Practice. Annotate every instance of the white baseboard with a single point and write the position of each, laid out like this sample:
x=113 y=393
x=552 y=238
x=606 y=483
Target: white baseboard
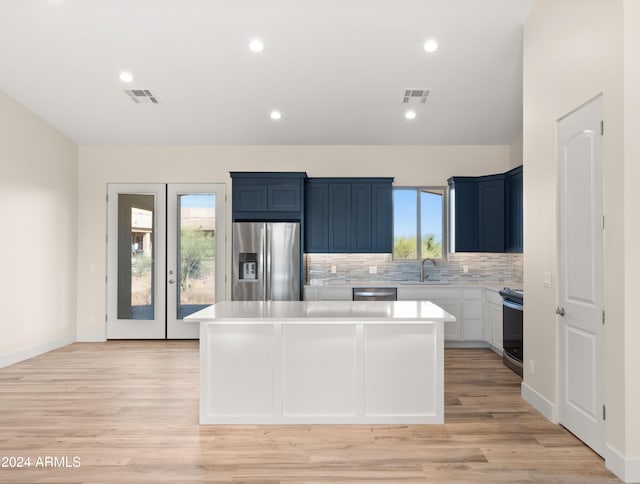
x=93 y=336
x=541 y=404
x=626 y=468
x=36 y=350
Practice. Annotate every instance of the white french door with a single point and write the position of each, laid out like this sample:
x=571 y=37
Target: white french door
x=165 y=257
x=580 y=274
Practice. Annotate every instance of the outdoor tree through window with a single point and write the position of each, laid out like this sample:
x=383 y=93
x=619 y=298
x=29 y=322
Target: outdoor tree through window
x=418 y=223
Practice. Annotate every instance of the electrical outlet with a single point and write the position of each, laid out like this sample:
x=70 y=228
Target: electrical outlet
x=373 y=269
x=532 y=367
x=465 y=269
x=334 y=269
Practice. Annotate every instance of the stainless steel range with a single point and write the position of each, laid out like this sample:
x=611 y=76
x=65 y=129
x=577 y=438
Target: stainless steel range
x=512 y=311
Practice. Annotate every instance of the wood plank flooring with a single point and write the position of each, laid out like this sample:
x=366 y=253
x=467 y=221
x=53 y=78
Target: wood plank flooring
x=128 y=412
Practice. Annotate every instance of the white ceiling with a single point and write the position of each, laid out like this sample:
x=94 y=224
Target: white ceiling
x=336 y=69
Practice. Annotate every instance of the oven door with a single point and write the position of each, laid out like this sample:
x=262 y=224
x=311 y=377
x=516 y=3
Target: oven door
x=512 y=335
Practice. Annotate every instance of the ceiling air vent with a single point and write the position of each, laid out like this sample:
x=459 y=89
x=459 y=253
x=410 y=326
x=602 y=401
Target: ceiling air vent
x=141 y=96
x=415 y=96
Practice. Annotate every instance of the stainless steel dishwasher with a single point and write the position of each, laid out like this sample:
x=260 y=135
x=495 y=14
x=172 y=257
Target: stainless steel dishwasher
x=375 y=294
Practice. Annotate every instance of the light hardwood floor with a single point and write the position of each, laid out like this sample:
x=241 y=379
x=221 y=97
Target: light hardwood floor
x=129 y=412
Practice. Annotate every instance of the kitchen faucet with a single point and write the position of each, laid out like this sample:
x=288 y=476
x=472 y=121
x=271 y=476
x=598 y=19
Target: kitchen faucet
x=424 y=276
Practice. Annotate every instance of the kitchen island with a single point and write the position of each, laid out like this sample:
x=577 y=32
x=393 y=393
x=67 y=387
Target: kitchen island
x=322 y=362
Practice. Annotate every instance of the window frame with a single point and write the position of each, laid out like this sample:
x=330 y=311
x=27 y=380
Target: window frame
x=445 y=219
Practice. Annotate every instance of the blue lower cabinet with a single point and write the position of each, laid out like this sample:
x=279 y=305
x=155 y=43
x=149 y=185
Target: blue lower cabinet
x=348 y=215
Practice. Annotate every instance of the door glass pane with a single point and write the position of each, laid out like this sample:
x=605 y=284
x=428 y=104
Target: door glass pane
x=196 y=252
x=136 y=256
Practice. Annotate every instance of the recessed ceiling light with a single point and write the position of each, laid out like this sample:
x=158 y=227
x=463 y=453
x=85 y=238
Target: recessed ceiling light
x=275 y=115
x=411 y=114
x=256 y=45
x=126 y=77
x=430 y=46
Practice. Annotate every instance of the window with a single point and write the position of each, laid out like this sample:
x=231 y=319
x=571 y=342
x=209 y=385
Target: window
x=419 y=222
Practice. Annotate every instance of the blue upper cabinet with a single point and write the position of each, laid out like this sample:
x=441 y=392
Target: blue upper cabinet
x=514 y=210
x=260 y=196
x=348 y=215
x=463 y=210
x=382 y=218
x=491 y=210
x=339 y=217
x=486 y=213
x=316 y=227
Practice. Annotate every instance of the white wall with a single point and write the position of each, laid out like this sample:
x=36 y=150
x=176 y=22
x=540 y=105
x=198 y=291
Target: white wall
x=573 y=51
x=38 y=201
x=99 y=165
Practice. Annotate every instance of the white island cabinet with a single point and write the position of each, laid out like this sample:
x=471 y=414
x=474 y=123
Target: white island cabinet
x=322 y=362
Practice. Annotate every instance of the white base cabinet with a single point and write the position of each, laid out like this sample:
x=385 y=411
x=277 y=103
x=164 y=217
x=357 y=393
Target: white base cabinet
x=448 y=298
x=464 y=303
x=478 y=311
x=328 y=293
x=493 y=319
x=292 y=362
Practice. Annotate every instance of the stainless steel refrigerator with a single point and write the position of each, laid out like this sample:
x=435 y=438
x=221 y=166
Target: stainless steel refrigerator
x=266 y=261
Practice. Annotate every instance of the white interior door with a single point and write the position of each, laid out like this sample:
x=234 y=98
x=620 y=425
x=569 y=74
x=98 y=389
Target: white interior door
x=195 y=241
x=580 y=288
x=163 y=245
x=136 y=234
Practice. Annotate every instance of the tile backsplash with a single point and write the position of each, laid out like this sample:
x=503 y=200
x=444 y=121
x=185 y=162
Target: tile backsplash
x=351 y=268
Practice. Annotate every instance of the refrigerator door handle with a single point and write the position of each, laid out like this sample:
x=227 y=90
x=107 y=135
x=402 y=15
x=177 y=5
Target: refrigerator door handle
x=267 y=262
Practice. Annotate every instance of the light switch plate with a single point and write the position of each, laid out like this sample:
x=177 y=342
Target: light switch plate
x=546 y=279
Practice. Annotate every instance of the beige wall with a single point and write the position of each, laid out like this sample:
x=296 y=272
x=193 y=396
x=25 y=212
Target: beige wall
x=99 y=165
x=632 y=222
x=38 y=200
x=515 y=152
x=573 y=51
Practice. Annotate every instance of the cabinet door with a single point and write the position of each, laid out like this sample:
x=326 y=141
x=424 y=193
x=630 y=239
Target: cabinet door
x=361 y=210
x=491 y=214
x=452 y=329
x=464 y=207
x=514 y=212
x=249 y=198
x=472 y=314
x=316 y=219
x=382 y=220
x=283 y=197
x=497 y=326
x=339 y=217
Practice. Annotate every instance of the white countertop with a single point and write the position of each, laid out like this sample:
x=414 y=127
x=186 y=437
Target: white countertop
x=492 y=285
x=333 y=312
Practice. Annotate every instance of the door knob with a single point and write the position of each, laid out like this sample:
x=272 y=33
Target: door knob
x=560 y=311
